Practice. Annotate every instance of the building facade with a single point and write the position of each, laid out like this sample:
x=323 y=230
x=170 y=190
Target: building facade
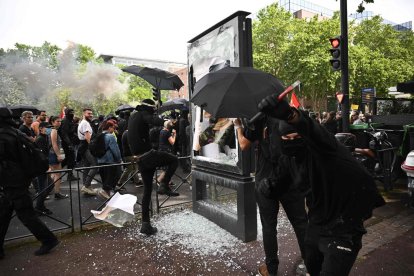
x=177 y=68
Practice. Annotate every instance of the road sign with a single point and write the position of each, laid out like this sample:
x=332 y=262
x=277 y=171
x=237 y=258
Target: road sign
x=368 y=95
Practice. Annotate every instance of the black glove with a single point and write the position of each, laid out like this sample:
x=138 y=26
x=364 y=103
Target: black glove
x=265 y=187
x=272 y=107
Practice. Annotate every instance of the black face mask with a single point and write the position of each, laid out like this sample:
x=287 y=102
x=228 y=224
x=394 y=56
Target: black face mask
x=294 y=148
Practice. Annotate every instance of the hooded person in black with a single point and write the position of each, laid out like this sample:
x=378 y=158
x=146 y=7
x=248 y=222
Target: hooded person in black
x=272 y=166
x=343 y=193
x=68 y=133
x=139 y=125
x=14 y=189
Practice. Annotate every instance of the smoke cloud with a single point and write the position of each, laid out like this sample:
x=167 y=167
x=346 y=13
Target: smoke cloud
x=40 y=84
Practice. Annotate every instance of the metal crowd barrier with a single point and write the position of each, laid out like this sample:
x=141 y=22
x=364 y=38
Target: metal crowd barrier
x=52 y=216
x=184 y=179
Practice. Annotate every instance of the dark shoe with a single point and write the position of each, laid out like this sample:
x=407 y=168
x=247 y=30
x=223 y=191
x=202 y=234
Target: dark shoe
x=1 y=254
x=166 y=190
x=43 y=211
x=60 y=196
x=147 y=229
x=46 y=248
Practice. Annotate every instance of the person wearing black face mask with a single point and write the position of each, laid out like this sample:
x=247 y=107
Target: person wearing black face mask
x=67 y=133
x=273 y=187
x=343 y=193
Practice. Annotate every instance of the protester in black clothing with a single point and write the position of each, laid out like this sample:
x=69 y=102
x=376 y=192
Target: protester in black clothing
x=14 y=190
x=343 y=193
x=148 y=160
x=270 y=163
x=167 y=137
x=42 y=141
x=68 y=133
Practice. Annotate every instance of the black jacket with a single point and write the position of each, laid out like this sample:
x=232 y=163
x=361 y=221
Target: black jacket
x=68 y=132
x=342 y=189
x=139 y=125
x=42 y=141
x=11 y=172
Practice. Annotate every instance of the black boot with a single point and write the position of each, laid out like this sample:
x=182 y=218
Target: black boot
x=46 y=248
x=146 y=228
x=165 y=189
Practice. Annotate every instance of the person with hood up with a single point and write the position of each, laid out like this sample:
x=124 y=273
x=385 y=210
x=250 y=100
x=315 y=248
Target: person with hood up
x=68 y=133
x=148 y=159
x=343 y=193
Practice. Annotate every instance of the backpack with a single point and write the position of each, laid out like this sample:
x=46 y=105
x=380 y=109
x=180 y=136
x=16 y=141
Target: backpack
x=97 y=146
x=32 y=160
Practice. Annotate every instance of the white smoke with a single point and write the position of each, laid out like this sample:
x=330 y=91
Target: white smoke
x=40 y=84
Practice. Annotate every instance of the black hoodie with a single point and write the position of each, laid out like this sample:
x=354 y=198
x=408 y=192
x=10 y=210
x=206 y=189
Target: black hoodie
x=139 y=125
x=342 y=189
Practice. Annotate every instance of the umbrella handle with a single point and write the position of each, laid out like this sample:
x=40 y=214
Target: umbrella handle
x=260 y=115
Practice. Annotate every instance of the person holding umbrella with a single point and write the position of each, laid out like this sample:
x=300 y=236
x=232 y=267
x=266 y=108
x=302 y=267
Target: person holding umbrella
x=148 y=159
x=343 y=193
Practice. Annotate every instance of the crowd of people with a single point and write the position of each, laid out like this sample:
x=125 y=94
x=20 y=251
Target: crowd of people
x=68 y=142
x=332 y=120
x=324 y=191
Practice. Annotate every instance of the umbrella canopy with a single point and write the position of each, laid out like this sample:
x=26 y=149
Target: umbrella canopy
x=177 y=103
x=234 y=91
x=123 y=107
x=20 y=108
x=160 y=79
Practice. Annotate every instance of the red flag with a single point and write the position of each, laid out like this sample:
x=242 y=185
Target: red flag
x=62 y=113
x=294 y=100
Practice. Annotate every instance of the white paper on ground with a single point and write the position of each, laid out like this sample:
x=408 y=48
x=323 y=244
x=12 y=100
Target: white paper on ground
x=118 y=210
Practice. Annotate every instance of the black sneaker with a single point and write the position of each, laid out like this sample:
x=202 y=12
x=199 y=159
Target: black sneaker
x=147 y=229
x=46 y=248
x=166 y=190
x=60 y=196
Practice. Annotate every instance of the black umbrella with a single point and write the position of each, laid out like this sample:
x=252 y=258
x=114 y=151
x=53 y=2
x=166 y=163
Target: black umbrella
x=160 y=79
x=234 y=91
x=123 y=107
x=177 y=103
x=20 y=108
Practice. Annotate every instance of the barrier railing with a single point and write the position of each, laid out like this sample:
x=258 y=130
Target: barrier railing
x=183 y=179
x=53 y=217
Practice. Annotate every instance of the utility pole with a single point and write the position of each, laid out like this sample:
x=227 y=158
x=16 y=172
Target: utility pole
x=344 y=66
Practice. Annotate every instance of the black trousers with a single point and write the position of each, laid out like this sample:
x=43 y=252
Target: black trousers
x=46 y=185
x=69 y=157
x=19 y=199
x=147 y=168
x=330 y=253
x=109 y=176
x=293 y=203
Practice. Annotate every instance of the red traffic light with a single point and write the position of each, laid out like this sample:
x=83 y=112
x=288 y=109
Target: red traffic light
x=335 y=42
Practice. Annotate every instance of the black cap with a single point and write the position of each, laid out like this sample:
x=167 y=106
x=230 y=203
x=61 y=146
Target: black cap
x=285 y=128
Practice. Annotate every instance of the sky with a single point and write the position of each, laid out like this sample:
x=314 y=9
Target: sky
x=152 y=29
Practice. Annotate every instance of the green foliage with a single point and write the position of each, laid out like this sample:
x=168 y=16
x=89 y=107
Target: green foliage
x=11 y=92
x=296 y=49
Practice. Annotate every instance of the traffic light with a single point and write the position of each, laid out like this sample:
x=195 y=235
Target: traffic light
x=156 y=94
x=335 y=53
